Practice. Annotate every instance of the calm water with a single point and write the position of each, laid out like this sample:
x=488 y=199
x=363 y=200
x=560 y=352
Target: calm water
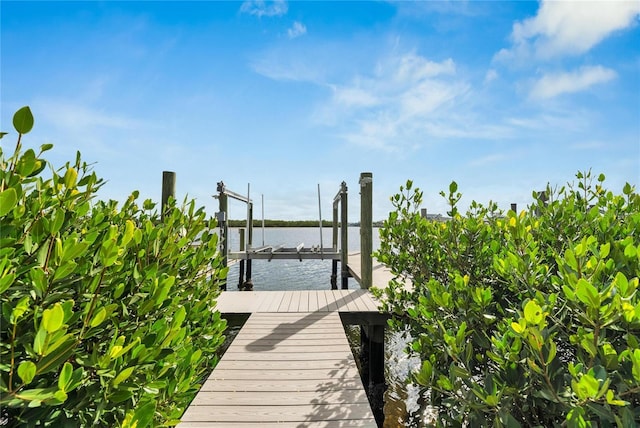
x=292 y=274
x=401 y=397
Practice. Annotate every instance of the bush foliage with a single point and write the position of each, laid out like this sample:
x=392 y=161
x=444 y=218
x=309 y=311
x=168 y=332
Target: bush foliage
x=107 y=312
x=523 y=320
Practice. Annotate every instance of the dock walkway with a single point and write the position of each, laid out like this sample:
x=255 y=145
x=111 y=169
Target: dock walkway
x=289 y=366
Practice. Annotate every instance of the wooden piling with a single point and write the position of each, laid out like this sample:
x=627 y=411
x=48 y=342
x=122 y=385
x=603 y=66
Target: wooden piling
x=224 y=228
x=334 y=244
x=366 y=228
x=241 y=271
x=168 y=189
x=248 y=284
x=344 y=241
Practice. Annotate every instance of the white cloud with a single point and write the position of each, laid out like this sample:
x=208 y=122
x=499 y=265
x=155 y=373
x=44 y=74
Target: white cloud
x=488 y=160
x=298 y=29
x=491 y=75
x=262 y=8
x=569 y=27
x=397 y=105
x=554 y=84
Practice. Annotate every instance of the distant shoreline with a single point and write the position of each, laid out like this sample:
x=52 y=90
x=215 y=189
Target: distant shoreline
x=291 y=223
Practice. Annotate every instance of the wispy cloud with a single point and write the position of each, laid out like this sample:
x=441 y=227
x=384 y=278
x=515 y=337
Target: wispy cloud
x=262 y=8
x=78 y=117
x=491 y=75
x=396 y=103
x=569 y=28
x=488 y=160
x=554 y=84
x=298 y=29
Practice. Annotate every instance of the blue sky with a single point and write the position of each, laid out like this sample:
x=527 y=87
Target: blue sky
x=501 y=96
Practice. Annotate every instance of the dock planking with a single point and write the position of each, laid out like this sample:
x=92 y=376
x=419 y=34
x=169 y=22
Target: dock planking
x=297 y=301
x=290 y=369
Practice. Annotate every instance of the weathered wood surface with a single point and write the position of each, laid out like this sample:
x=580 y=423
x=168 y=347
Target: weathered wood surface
x=303 y=301
x=381 y=275
x=290 y=369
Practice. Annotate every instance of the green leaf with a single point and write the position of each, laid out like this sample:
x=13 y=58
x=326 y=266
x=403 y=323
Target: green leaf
x=453 y=187
x=6 y=281
x=8 y=200
x=27 y=163
x=65 y=376
x=45 y=147
x=27 y=371
x=57 y=221
x=533 y=313
x=424 y=375
x=39 y=341
x=65 y=269
x=99 y=317
x=70 y=178
x=53 y=318
x=509 y=421
x=20 y=309
x=109 y=252
x=61 y=352
x=604 y=250
x=143 y=416
x=23 y=120
x=611 y=400
x=630 y=251
x=123 y=375
x=491 y=400
x=587 y=293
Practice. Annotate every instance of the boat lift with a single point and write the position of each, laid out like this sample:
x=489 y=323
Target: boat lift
x=247 y=252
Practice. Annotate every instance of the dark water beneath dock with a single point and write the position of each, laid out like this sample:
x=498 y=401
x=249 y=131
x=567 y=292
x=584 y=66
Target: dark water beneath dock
x=401 y=398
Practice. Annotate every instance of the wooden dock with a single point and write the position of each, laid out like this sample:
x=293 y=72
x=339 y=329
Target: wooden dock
x=289 y=366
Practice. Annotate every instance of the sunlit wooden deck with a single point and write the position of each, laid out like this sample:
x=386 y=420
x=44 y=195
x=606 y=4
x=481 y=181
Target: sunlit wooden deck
x=290 y=365
x=292 y=369
x=303 y=301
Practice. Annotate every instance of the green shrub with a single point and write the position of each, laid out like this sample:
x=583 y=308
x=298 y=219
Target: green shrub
x=529 y=319
x=107 y=313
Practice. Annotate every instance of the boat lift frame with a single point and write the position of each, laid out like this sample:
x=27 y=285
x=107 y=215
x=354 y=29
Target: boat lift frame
x=247 y=252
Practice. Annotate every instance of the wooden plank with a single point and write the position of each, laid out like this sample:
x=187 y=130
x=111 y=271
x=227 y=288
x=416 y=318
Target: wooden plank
x=288 y=356
x=285 y=303
x=331 y=301
x=342 y=373
x=274 y=398
x=316 y=424
x=275 y=302
x=293 y=334
x=323 y=306
x=295 y=301
x=239 y=385
x=259 y=414
x=304 y=301
x=285 y=367
x=280 y=364
x=313 y=301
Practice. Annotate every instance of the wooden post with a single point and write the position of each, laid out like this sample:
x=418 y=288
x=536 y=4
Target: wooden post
x=224 y=228
x=366 y=229
x=372 y=363
x=248 y=284
x=241 y=272
x=344 y=241
x=334 y=244
x=168 y=189
x=514 y=208
x=423 y=212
